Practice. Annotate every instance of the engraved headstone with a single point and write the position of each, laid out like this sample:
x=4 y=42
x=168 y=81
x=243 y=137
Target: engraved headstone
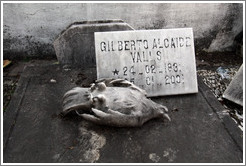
x=160 y=61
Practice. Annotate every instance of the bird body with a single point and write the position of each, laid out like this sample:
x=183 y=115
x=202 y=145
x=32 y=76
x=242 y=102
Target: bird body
x=113 y=102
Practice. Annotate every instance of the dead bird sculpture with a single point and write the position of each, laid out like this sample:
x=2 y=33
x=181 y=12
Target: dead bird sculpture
x=113 y=102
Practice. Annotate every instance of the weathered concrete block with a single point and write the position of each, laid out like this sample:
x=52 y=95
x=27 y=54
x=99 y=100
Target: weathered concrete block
x=234 y=91
x=75 y=45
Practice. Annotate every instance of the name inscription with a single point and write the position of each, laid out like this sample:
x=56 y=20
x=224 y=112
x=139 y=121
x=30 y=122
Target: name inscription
x=160 y=61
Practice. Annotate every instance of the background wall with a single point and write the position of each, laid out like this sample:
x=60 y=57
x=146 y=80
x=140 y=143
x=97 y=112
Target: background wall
x=30 y=29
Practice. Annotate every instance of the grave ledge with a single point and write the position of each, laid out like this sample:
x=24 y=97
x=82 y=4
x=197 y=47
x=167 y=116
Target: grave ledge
x=197 y=133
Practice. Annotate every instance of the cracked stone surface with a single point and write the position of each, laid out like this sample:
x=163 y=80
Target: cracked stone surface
x=33 y=131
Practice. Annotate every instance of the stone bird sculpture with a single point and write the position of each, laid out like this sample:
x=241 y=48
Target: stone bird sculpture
x=113 y=102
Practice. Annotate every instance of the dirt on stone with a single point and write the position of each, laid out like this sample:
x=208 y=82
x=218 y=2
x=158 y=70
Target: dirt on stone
x=9 y=86
x=217 y=71
x=213 y=60
x=207 y=68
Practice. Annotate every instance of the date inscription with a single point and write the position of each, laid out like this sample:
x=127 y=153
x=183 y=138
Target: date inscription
x=160 y=61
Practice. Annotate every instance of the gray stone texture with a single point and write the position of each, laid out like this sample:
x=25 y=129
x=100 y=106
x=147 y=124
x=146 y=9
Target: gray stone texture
x=29 y=29
x=75 y=45
x=234 y=91
x=33 y=131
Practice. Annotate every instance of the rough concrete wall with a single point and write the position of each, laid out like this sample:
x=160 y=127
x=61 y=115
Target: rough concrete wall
x=30 y=29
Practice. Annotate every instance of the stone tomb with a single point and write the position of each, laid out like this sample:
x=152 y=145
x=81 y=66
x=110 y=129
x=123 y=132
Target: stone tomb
x=160 y=61
x=75 y=45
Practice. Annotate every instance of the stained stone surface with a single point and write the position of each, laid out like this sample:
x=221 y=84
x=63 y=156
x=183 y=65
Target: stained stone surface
x=160 y=61
x=234 y=91
x=33 y=131
x=75 y=45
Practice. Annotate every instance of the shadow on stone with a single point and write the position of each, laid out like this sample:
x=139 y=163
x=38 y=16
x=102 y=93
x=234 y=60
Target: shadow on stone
x=33 y=131
x=75 y=45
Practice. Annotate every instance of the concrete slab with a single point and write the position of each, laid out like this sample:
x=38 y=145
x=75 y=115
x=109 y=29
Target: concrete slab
x=35 y=133
x=234 y=91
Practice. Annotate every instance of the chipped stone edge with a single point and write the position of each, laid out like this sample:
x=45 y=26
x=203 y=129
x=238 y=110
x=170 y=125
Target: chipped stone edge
x=230 y=126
